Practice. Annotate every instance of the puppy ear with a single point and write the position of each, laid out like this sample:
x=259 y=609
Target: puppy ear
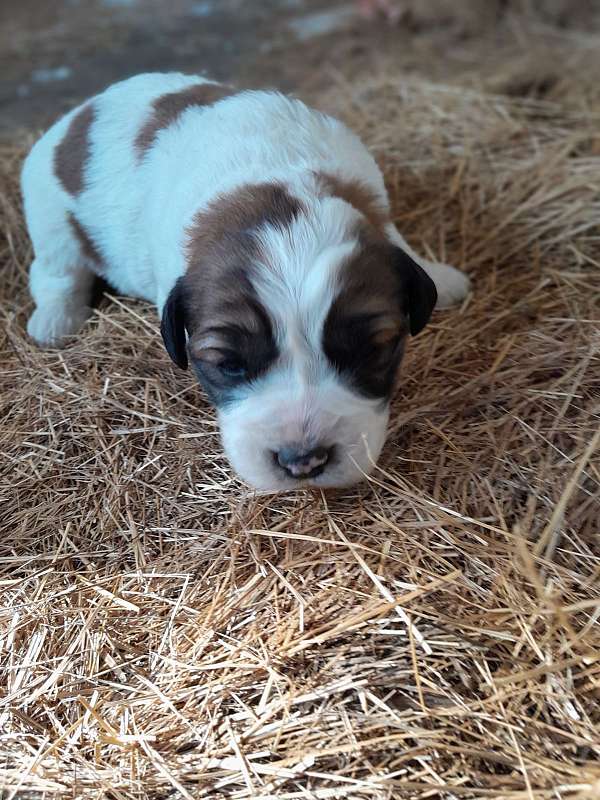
x=419 y=289
x=172 y=326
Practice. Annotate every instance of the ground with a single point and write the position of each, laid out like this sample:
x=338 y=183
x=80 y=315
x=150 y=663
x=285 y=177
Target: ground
x=56 y=53
x=164 y=631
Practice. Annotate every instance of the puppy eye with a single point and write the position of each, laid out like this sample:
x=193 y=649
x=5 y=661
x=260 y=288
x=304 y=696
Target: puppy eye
x=387 y=349
x=232 y=367
x=387 y=338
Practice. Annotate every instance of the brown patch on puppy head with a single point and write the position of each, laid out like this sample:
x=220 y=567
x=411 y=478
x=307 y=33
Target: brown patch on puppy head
x=371 y=285
x=216 y=301
x=88 y=248
x=168 y=107
x=229 y=221
x=222 y=251
x=384 y=295
x=72 y=152
x=358 y=195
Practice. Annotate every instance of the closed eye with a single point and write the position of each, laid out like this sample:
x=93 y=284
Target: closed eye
x=232 y=367
x=366 y=355
x=386 y=350
x=223 y=362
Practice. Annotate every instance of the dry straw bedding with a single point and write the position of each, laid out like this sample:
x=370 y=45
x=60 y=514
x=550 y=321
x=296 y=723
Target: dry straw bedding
x=167 y=633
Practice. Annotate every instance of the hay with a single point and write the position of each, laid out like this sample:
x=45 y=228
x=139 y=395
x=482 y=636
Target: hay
x=166 y=633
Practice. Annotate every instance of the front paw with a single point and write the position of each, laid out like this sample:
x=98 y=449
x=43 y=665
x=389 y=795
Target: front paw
x=452 y=285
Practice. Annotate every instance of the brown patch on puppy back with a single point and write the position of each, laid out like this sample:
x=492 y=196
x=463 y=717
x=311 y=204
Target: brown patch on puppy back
x=72 y=152
x=358 y=195
x=88 y=248
x=168 y=107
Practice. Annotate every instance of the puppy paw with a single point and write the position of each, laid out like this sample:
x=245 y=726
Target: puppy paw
x=51 y=325
x=452 y=285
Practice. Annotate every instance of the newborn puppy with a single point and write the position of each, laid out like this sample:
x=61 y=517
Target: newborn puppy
x=261 y=230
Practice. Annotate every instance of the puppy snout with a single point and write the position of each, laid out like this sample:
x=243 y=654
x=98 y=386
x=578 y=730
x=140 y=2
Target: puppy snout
x=300 y=463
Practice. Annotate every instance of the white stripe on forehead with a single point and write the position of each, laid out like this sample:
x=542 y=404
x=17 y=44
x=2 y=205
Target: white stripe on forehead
x=298 y=277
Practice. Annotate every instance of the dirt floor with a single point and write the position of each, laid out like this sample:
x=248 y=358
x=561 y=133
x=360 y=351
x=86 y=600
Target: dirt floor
x=55 y=53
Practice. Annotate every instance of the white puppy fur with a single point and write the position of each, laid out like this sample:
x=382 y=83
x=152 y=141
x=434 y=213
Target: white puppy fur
x=137 y=211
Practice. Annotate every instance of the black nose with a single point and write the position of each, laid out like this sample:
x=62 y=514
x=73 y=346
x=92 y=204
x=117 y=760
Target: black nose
x=303 y=463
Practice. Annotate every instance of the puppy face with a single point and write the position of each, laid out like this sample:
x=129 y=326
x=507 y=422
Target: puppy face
x=295 y=324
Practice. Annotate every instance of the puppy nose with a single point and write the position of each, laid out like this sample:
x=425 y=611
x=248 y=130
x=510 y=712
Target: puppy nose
x=303 y=463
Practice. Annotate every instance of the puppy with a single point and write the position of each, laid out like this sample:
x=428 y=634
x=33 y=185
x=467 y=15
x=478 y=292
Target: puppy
x=261 y=230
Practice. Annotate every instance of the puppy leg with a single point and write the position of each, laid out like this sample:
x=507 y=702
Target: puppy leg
x=451 y=284
x=61 y=285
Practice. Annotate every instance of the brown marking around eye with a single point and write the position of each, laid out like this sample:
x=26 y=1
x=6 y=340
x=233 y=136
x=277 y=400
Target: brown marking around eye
x=167 y=108
x=366 y=316
x=72 y=152
x=358 y=195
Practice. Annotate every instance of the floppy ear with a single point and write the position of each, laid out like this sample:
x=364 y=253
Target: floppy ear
x=420 y=291
x=172 y=327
